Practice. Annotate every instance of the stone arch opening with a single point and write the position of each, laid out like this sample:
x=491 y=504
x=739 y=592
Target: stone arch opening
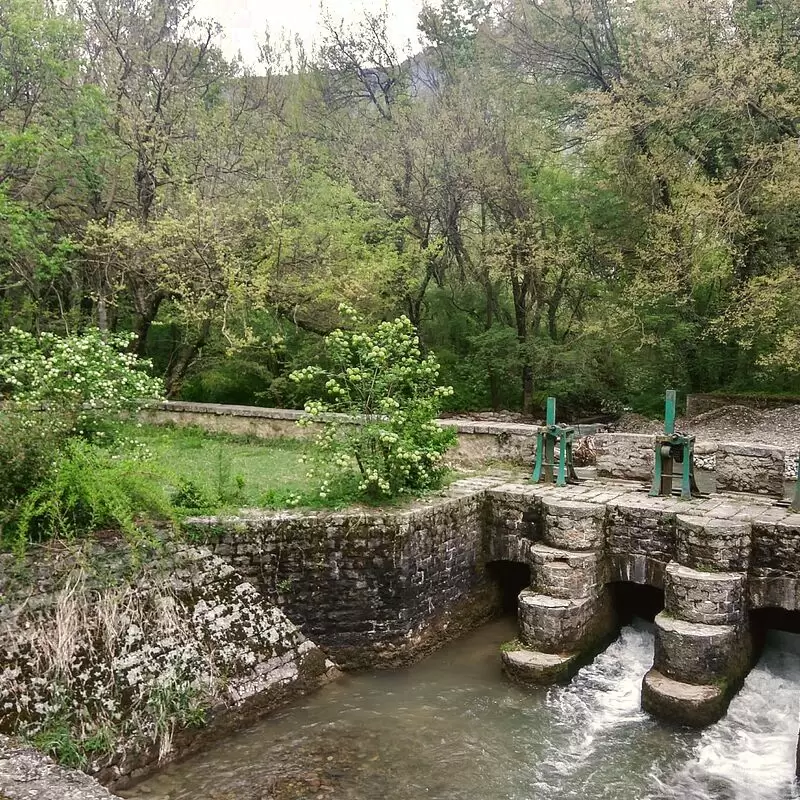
x=509 y=579
x=764 y=621
x=631 y=600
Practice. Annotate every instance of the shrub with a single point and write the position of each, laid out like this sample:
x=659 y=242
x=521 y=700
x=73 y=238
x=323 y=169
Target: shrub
x=383 y=383
x=59 y=393
x=88 y=488
x=73 y=385
x=26 y=456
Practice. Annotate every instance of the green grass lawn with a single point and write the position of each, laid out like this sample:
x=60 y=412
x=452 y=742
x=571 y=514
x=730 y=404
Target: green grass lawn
x=213 y=471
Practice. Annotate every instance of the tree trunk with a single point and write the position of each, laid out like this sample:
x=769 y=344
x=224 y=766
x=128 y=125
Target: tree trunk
x=186 y=355
x=494 y=382
x=520 y=290
x=146 y=312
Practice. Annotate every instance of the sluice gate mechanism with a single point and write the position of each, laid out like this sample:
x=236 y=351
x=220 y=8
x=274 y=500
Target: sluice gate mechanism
x=549 y=438
x=674 y=456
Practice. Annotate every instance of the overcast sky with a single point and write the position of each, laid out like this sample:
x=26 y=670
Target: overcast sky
x=244 y=21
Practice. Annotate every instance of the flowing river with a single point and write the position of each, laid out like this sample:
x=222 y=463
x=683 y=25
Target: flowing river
x=452 y=728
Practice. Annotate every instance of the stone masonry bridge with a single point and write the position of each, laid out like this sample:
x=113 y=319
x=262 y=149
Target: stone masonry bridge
x=716 y=559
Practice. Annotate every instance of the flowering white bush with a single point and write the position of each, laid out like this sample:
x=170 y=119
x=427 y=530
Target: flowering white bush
x=73 y=381
x=57 y=392
x=382 y=381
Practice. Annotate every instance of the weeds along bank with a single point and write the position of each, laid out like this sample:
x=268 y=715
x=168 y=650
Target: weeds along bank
x=114 y=659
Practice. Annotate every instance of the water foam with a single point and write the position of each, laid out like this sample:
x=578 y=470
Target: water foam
x=750 y=753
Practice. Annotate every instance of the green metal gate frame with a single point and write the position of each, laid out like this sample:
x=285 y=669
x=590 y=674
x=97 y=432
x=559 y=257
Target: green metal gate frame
x=547 y=438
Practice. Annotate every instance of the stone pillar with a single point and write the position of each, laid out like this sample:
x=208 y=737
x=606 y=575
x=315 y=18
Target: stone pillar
x=703 y=647
x=567 y=612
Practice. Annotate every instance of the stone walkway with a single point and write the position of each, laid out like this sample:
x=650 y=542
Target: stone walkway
x=631 y=494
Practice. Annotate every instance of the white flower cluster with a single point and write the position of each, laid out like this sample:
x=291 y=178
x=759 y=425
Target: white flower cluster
x=76 y=377
x=381 y=379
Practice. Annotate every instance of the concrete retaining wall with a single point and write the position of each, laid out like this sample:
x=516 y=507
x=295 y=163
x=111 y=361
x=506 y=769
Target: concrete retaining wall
x=735 y=466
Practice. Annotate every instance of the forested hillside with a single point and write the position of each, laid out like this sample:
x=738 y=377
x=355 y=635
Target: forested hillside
x=587 y=198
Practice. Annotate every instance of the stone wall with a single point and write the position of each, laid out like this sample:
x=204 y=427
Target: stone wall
x=628 y=456
x=164 y=645
x=745 y=467
x=372 y=587
x=478 y=442
x=736 y=467
x=625 y=456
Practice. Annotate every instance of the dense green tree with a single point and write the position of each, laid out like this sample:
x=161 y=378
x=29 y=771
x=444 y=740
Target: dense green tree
x=592 y=198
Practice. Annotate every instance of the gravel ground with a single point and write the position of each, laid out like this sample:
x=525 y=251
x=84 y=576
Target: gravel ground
x=778 y=426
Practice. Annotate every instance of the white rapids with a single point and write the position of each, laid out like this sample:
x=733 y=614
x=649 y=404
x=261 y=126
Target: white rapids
x=750 y=753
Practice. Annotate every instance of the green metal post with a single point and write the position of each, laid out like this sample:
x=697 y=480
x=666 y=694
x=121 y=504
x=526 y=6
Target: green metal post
x=669 y=412
x=537 y=467
x=686 y=478
x=562 y=462
x=795 y=506
x=551 y=411
x=655 y=489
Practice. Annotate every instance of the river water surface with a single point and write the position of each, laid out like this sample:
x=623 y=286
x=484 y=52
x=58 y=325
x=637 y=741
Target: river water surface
x=451 y=728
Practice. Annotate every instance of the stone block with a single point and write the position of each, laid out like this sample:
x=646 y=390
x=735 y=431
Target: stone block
x=557 y=625
x=701 y=654
x=776 y=546
x=745 y=467
x=532 y=668
x=510 y=547
x=641 y=526
x=710 y=598
x=26 y=773
x=564 y=573
x=573 y=525
x=636 y=568
x=629 y=456
x=774 y=592
x=683 y=703
x=706 y=543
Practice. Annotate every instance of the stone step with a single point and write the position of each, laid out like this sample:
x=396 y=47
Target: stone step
x=684 y=703
x=700 y=654
x=531 y=667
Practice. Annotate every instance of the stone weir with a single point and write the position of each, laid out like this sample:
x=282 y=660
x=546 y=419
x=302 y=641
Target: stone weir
x=716 y=559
